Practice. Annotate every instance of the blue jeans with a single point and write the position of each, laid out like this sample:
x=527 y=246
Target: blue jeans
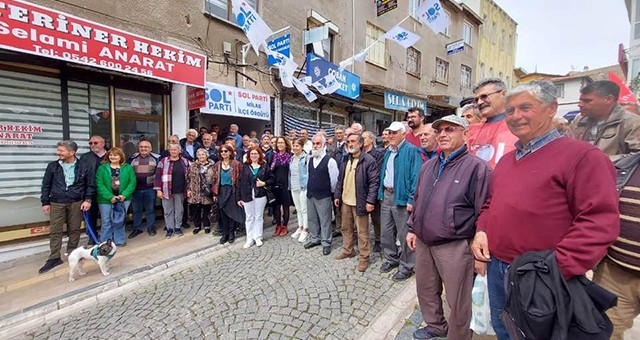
x=107 y=230
x=496 y=271
x=144 y=199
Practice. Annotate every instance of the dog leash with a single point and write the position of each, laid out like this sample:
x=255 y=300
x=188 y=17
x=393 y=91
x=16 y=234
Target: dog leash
x=89 y=228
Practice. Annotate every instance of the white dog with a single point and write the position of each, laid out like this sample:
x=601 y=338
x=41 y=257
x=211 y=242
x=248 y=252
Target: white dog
x=101 y=253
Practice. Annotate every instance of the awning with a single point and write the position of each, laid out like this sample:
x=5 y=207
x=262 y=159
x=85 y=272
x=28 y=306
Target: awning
x=376 y=89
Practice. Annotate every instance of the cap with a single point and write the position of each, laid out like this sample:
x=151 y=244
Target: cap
x=467 y=100
x=396 y=126
x=451 y=119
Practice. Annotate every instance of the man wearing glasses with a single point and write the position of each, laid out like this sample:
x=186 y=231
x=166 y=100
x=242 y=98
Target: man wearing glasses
x=92 y=160
x=398 y=178
x=492 y=139
x=440 y=235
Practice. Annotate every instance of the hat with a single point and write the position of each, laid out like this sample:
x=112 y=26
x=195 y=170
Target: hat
x=451 y=119
x=467 y=100
x=396 y=126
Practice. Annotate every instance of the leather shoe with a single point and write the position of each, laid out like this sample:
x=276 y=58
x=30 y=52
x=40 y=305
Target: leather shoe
x=326 y=250
x=336 y=233
x=363 y=265
x=401 y=276
x=152 y=232
x=425 y=334
x=310 y=245
x=135 y=233
x=387 y=267
x=344 y=255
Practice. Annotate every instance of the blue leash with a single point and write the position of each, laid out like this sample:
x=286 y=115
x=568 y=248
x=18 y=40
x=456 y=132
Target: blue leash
x=89 y=228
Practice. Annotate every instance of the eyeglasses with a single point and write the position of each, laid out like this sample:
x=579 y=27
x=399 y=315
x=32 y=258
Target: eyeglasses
x=224 y=151
x=448 y=129
x=484 y=97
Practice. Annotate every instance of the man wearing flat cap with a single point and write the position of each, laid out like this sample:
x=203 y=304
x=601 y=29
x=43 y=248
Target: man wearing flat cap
x=398 y=178
x=451 y=190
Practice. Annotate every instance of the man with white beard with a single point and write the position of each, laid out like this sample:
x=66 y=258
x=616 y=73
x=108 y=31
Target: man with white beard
x=323 y=170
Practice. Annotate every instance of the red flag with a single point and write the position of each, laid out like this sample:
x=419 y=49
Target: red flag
x=626 y=95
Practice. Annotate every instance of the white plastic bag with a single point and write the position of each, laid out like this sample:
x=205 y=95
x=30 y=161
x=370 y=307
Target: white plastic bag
x=480 y=309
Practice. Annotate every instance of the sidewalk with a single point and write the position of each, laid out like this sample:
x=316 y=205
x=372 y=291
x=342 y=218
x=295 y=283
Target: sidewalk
x=25 y=293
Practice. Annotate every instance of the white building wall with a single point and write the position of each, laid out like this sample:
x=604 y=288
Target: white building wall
x=571 y=96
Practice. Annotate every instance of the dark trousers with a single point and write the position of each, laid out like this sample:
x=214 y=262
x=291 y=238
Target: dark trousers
x=200 y=215
x=375 y=220
x=227 y=225
x=185 y=215
x=281 y=214
x=60 y=214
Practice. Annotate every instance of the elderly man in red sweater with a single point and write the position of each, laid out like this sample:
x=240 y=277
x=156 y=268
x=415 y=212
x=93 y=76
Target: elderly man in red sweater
x=552 y=192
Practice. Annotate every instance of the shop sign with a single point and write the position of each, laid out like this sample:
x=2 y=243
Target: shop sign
x=232 y=101
x=400 y=102
x=384 y=6
x=33 y=29
x=318 y=68
x=282 y=45
x=18 y=134
x=195 y=98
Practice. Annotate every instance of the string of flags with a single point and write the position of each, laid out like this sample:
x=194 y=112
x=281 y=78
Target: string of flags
x=430 y=13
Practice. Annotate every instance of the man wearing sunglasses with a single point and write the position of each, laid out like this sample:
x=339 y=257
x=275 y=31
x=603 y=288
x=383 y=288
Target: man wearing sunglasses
x=451 y=190
x=492 y=139
x=92 y=160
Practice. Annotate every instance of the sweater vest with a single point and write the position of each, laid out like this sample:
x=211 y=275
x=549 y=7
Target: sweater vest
x=319 y=185
x=626 y=250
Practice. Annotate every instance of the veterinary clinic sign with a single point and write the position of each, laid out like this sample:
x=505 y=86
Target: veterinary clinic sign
x=33 y=29
x=232 y=101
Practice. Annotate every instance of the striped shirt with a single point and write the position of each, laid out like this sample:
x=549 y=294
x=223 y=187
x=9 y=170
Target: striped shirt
x=626 y=250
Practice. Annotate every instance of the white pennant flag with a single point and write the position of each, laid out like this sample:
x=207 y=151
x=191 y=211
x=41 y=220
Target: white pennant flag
x=432 y=14
x=251 y=23
x=360 y=56
x=402 y=36
x=330 y=85
x=285 y=65
x=304 y=90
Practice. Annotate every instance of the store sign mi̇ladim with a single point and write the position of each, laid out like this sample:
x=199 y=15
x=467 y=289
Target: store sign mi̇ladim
x=33 y=29
x=232 y=101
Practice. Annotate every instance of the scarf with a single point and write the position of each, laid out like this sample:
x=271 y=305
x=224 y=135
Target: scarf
x=283 y=159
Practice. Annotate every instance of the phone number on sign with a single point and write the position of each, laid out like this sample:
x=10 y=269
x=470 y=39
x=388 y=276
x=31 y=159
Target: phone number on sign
x=107 y=63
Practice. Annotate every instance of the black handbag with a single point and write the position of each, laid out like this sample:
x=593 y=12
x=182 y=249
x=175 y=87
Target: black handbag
x=213 y=215
x=271 y=198
x=205 y=190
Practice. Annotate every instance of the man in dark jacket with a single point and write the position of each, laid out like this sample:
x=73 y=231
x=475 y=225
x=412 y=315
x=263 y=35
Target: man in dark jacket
x=377 y=153
x=357 y=191
x=190 y=145
x=208 y=144
x=451 y=190
x=67 y=188
x=92 y=160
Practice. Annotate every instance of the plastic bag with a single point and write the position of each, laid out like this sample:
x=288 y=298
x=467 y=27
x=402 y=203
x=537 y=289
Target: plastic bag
x=480 y=309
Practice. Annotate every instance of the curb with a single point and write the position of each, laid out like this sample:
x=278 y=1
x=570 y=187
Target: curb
x=388 y=323
x=18 y=322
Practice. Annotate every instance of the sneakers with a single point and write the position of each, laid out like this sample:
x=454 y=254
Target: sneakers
x=297 y=233
x=425 y=334
x=344 y=255
x=207 y=230
x=169 y=233
x=50 y=264
x=179 y=232
x=248 y=244
x=259 y=242
x=303 y=237
x=196 y=230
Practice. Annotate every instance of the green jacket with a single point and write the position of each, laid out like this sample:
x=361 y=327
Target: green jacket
x=103 y=182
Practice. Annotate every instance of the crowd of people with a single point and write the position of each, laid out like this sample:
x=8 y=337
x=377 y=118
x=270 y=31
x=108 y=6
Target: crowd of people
x=464 y=195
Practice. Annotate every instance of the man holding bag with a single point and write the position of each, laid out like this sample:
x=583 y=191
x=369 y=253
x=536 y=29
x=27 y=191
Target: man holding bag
x=451 y=190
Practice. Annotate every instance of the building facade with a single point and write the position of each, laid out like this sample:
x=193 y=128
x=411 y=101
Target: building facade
x=498 y=41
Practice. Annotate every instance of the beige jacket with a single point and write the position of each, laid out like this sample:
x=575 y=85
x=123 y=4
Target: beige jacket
x=618 y=137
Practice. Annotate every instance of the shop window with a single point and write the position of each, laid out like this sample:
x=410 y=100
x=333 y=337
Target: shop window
x=442 y=71
x=377 y=55
x=30 y=127
x=138 y=116
x=222 y=8
x=89 y=114
x=414 y=61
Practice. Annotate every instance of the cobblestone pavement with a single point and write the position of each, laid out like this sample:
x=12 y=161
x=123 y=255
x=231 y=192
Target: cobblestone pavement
x=276 y=291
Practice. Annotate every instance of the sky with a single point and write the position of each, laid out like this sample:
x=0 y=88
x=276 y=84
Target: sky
x=555 y=36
